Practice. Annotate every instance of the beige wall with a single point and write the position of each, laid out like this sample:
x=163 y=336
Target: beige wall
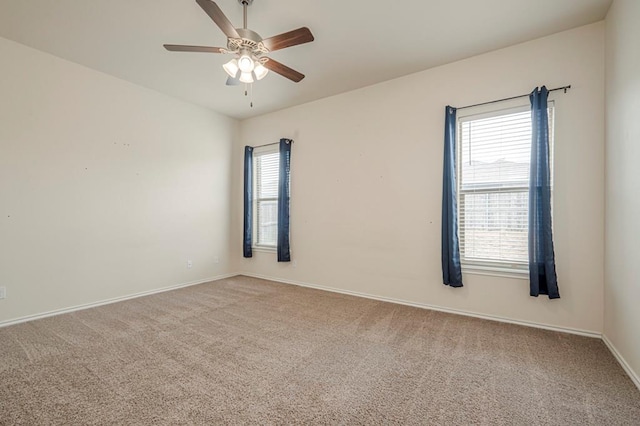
x=367 y=178
x=622 y=259
x=106 y=188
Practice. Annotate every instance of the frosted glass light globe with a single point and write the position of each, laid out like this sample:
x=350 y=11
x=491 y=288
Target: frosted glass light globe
x=231 y=68
x=260 y=71
x=246 y=77
x=246 y=63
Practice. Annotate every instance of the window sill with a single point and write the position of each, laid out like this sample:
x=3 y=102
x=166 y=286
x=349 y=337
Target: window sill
x=495 y=271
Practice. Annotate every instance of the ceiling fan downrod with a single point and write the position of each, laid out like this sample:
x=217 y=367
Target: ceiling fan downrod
x=245 y=4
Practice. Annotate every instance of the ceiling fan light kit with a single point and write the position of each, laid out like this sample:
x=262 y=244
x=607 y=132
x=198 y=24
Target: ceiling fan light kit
x=250 y=63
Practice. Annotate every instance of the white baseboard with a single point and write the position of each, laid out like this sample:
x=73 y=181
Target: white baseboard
x=570 y=330
x=109 y=301
x=627 y=368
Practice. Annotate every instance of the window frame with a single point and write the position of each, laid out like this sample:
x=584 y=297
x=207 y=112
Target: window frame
x=501 y=268
x=255 y=243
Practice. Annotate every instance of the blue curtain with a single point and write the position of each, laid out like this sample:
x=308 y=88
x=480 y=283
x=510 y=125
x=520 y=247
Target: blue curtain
x=542 y=265
x=451 y=270
x=284 y=191
x=248 y=202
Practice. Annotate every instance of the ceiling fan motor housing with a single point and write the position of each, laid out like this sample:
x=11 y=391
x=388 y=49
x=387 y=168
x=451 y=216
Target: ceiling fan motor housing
x=250 y=40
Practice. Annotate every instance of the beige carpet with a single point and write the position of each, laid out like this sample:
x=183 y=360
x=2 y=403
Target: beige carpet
x=248 y=351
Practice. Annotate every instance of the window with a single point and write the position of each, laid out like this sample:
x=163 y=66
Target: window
x=265 y=203
x=493 y=188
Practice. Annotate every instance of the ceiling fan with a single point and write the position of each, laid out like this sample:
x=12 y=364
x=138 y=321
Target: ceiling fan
x=249 y=63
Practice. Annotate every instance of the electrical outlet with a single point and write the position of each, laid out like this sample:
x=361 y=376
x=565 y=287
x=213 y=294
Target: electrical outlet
x=189 y=264
x=3 y=292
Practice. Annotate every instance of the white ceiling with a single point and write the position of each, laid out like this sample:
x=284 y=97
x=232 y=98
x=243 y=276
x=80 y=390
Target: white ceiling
x=357 y=42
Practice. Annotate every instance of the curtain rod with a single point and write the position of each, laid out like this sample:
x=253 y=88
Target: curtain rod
x=565 y=88
x=269 y=144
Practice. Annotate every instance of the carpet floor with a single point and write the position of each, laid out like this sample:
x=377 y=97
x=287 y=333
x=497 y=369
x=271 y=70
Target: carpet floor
x=248 y=351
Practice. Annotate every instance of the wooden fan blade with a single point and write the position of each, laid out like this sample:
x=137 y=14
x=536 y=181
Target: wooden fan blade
x=182 y=48
x=215 y=13
x=292 y=38
x=283 y=70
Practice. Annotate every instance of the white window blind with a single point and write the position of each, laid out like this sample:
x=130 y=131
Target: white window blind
x=266 y=170
x=493 y=159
